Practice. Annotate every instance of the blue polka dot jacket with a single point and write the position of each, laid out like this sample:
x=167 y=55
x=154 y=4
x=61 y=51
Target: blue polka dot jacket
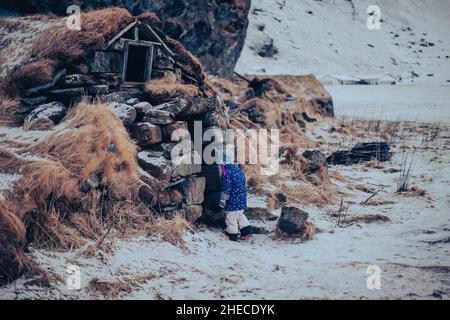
x=234 y=185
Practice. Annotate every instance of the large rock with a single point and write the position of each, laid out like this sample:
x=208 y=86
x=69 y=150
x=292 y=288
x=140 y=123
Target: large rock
x=183 y=170
x=76 y=80
x=141 y=108
x=54 y=111
x=159 y=117
x=159 y=167
x=175 y=132
x=193 y=189
x=292 y=221
x=315 y=161
x=147 y=134
x=125 y=112
x=193 y=213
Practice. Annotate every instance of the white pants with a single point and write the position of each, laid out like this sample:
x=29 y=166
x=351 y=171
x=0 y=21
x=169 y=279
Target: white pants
x=235 y=221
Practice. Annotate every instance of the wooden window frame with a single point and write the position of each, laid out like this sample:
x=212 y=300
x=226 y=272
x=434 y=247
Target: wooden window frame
x=148 y=60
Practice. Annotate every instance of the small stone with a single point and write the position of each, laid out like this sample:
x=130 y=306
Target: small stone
x=98 y=89
x=142 y=108
x=147 y=195
x=132 y=101
x=315 y=160
x=164 y=199
x=176 y=197
x=292 y=221
x=147 y=134
x=159 y=117
x=125 y=112
x=193 y=213
x=158 y=167
x=54 y=111
x=175 y=132
x=193 y=189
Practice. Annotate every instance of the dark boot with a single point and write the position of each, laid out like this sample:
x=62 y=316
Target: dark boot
x=246 y=231
x=233 y=237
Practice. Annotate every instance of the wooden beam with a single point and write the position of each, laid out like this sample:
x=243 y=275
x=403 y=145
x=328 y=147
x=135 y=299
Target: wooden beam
x=121 y=33
x=149 y=29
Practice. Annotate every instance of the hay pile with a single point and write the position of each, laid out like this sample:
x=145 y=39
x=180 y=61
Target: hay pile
x=161 y=91
x=56 y=203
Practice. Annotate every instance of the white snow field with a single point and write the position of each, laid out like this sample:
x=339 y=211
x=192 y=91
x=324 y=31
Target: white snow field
x=421 y=103
x=330 y=37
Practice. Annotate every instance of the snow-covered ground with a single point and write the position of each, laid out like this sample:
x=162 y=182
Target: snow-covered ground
x=330 y=37
x=413 y=103
x=412 y=250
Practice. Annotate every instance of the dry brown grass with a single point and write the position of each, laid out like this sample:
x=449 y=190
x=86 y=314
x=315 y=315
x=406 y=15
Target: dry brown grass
x=38 y=124
x=7 y=109
x=111 y=289
x=172 y=230
x=48 y=202
x=160 y=91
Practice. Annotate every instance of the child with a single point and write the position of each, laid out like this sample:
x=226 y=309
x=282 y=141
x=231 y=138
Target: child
x=234 y=199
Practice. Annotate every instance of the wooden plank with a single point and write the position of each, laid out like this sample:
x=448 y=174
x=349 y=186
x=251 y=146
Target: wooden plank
x=125 y=61
x=121 y=33
x=136 y=33
x=150 y=63
x=149 y=29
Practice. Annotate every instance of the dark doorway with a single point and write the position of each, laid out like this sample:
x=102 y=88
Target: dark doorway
x=136 y=64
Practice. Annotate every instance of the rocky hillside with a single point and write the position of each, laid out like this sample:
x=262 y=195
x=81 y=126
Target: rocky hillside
x=331 y=37
x=213 y=30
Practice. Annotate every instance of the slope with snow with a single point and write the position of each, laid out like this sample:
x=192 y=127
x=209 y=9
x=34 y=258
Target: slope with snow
x=332 y=37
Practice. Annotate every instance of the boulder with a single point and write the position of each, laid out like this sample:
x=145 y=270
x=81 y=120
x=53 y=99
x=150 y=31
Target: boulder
x=193 y=189
x=98 y=89
x=53 y=111
x=164 y=199
x=183 y=170
x=292 y=221
x=175 y=107
x=66 y=93
x=76 y=80
x=125 y=112
x=132 y=101
x=147 y=195
x=298 y=117
x=214 y=119
x=158 y=167
x=315 y=161
x=159 y=117
x=106 y=62
x=34 y=101
x=200 y=105
x=141 y=108
x=193 y=213
x=147 y=134
x=176 y=197
x=169 y=133
x=362 y=152
x=267 y=49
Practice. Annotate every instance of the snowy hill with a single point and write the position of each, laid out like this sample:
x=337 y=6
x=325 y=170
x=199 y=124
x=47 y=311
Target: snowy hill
x=332 y=37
